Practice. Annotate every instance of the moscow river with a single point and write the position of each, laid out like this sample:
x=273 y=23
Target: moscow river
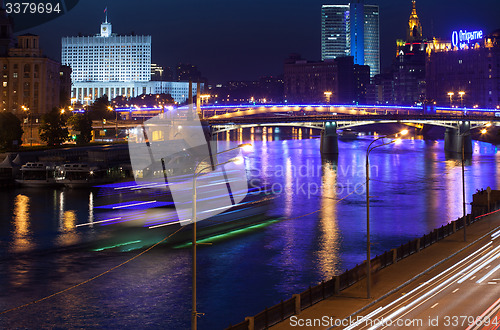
x=320 y=231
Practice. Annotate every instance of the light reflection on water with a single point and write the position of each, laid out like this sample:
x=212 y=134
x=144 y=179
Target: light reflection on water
x=416 y=188
x=328 y=253
x=21 y=240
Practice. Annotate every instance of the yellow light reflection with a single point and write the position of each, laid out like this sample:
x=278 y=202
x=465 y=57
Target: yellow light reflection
x=68 y=234
x=328 y=253
x=21 y=239
x=453 y=175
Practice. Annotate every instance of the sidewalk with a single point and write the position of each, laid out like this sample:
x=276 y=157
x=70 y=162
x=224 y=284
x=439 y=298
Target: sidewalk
x=353 y=299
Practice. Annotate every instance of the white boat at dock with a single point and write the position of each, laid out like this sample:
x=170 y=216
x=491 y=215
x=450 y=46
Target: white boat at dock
x=77 y=175
x=37 y=174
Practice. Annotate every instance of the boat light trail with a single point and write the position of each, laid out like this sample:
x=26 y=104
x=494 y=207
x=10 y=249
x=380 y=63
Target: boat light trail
x=96 y=222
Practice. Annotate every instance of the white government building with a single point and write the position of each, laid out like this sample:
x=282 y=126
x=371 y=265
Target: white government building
x=114 y=65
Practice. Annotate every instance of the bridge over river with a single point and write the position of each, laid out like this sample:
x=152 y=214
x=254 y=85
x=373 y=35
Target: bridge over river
x=328 y=118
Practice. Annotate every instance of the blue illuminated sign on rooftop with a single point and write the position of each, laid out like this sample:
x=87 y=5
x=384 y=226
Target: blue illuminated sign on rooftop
x=460 y=39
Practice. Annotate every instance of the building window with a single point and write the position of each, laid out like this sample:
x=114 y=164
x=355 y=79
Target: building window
x=14 y=75
x=4 y=84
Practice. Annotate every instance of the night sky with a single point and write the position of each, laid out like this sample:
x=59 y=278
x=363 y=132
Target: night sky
x=243 y=40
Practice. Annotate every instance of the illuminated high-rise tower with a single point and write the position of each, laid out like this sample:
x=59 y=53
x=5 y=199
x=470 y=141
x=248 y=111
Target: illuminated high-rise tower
x=351 y=30
x=372 y=39
x=414 y=31
x=409 y=66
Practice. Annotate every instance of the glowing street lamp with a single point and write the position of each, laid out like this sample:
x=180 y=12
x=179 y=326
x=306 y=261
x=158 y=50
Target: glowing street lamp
x=461 y=93
x=328 y=95
x=30 y=120
x=368 y=253
x=110 y=108
x=204 y=98
x=450 y=94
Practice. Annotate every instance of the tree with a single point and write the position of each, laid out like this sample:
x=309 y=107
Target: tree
x=10 y=130
x=82 y=125
x=53 y=129
x=99 y=109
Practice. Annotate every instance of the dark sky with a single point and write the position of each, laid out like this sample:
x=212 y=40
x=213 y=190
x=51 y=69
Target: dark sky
x=242 y=40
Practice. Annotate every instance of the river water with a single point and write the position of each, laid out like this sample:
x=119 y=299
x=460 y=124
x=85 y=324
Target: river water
x=320 y=231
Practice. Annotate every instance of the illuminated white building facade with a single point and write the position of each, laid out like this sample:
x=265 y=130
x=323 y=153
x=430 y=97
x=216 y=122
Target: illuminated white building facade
x=114 y=65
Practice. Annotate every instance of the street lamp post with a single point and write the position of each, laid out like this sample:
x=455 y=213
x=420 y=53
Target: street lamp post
x=450 y=94
x=462 y=135
x=246 y=147
x=328 y=95
x=368 y=250
x=30 y=120
x=461 y=93
x=110 y=108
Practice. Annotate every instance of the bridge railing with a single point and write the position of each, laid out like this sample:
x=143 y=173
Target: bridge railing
x=315 y=294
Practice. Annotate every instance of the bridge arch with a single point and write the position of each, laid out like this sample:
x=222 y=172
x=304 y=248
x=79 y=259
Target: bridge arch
x=351 y=124
x=226 y=128
x=340 y=124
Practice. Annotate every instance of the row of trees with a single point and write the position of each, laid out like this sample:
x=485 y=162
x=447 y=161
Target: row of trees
x=54 y=127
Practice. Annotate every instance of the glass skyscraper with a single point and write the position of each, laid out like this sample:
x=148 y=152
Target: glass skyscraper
x=351 y=30
x=334 y=34
x=372 y=42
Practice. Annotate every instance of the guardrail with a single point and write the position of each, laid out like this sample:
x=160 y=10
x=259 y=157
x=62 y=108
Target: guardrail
x=315 y=294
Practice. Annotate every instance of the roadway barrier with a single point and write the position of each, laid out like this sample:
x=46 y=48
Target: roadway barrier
x=298 y=302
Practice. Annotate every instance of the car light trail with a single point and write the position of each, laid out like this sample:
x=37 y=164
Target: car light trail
x=481 y=264
x=488 y=274
x=439 y=276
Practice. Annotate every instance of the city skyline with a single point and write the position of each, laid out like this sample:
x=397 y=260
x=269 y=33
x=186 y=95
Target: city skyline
x=232 y=37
